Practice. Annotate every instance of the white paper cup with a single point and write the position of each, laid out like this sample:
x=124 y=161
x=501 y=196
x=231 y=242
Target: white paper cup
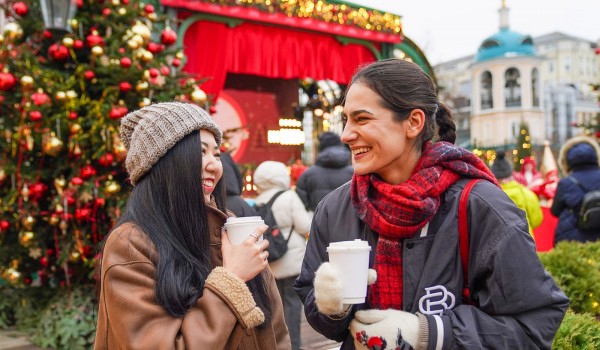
x=350 y=259
x=238 y=229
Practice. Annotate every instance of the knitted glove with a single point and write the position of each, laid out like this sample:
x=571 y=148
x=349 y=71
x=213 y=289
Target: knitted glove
x=389 y=329
x=328 y=290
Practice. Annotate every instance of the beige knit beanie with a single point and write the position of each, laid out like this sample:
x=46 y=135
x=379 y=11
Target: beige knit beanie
x=150 y=132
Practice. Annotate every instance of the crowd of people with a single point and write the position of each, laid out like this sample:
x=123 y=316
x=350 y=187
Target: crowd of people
x=171 y=279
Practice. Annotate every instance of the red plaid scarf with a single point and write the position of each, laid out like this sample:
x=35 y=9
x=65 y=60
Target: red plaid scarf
x=399 y=211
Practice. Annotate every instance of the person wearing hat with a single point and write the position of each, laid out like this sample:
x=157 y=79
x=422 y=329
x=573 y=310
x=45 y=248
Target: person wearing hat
x=523 y=197
x=578 y=159
x=332 y=169
x=170 y=279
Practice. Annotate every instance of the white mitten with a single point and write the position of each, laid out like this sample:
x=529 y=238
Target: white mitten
x=389 y=329
x=328 y=290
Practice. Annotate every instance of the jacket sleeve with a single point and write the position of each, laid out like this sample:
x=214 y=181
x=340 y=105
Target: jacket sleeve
x=135 y=320
x=559 y=198
x=519 y=304
x=316 y=254
x=534 y=210
x=300 y=217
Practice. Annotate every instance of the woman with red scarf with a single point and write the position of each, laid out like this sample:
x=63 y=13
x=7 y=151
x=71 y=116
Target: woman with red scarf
x=403 y=199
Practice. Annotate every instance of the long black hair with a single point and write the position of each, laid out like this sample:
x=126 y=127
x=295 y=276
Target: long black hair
x=168 y=204
x=404 y=86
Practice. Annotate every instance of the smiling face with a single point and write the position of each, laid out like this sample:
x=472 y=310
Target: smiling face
x=212 y=169
x=380 y=144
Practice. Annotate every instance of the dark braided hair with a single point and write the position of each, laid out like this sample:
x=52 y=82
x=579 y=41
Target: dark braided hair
x=404 y=86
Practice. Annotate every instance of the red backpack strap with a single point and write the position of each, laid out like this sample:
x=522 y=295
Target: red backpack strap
x=463 y=239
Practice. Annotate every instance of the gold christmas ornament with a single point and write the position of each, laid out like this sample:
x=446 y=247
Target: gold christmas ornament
x=68 y=41
x=141 y=86
x=26 y=238
x=145 y=102
x=76 y=150
x=60 y=184
x=74 y=256
x=64 y=225
x=54 y=220
x=74 y=24
x=13 y=31
x=111 y=187
x=198 y=96
x=28 y=222
x=25 y=192
x=71 y=94
x=115 y=2
x=97 y=51
x=60 y=95
x=27 y=81
x=1 y=39
x=132 y=44
x=122 y=11
x=147 y=56
x=75 y=128
x=138 y=39
x=2 y=175
x=142 y=29
x=12 y=275
x=52 y=146
x=179 y=55
x=152 y=16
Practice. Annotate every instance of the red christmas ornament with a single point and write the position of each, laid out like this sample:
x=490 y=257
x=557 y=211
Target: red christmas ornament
x=176 y=62
x=79 y=4
x=125 y=87
x=125 y=2
x=83 y=213
x=106 y=159
x=37 y=190
x=78 y=44
x=99 y=202
x=149 y=8
x=106 y=12
x=155 y=48
x=58 y=52
x=125 y=62
x=94 y=40
x=47 y=34
x=117 y=112
x=20 y=8
x=153 y=72
x=168 y=36
x=89 y=74
x=77 y=181
x=40 y=98
x=87 y=171
x=35 y=116
x=4 y=225
x=73 y=115
x=44 y=261
x=164 y=70
x=7 y=81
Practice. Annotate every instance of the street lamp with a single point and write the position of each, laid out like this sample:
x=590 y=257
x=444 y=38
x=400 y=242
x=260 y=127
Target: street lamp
x=58 y=13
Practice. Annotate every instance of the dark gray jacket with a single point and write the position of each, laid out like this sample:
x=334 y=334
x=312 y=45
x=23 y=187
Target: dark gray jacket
x=331 y=170
x=520 y=306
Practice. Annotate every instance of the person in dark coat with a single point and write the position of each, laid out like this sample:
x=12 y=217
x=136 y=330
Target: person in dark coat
x=233 y=185
x=578 y=158
x=331 y=170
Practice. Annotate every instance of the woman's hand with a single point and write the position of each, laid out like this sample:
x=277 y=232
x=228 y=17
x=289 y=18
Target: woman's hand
x=248 y=259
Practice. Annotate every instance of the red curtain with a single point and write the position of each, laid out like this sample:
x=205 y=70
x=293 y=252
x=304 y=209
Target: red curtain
x=213 y=50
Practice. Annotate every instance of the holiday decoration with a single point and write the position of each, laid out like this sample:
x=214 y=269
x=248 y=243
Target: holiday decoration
x=62 y=95
x=523 y=148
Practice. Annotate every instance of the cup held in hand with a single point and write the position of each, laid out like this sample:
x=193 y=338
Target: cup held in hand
x=238 y=229
x=350 y=259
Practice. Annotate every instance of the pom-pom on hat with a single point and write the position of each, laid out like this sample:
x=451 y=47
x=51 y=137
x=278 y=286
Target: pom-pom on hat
x=150 y=132
x=501 y=167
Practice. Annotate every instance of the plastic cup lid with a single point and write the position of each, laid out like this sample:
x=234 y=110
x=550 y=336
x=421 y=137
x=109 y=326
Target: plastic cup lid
x=235 y=220
x=356 y=244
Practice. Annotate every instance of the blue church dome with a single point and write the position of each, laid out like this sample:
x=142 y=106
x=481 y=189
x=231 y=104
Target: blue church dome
x=505 y=43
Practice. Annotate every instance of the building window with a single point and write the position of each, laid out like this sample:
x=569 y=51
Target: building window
x=487 y=100
x=535 y=91
x=512 y=88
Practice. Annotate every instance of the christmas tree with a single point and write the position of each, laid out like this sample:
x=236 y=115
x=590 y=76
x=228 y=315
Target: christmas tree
x=523 y=147
x=62 y=93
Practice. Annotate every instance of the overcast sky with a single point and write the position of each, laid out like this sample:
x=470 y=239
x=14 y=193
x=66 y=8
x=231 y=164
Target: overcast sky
x=451 y=29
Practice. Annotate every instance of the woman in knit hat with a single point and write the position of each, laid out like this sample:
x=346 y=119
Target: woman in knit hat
x=403 y=200
x=578 y=160
x=170 y=279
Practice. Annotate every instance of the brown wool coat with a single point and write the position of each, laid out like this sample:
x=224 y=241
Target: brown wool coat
x=225 y=317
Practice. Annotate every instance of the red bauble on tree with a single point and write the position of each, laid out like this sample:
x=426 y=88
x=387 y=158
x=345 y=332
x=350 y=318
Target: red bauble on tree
x=106 y=159
x=94 y=39
x=149 y=8
x=35 y=116
x=124 y=87
x=7 y=81
x=89 y=74
x=87 y=171
x=58 y=52
x=168 y=36
x=20 y=8
x=125 y=62
x=155 y=48
x=4 y=225
x=40 y=98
